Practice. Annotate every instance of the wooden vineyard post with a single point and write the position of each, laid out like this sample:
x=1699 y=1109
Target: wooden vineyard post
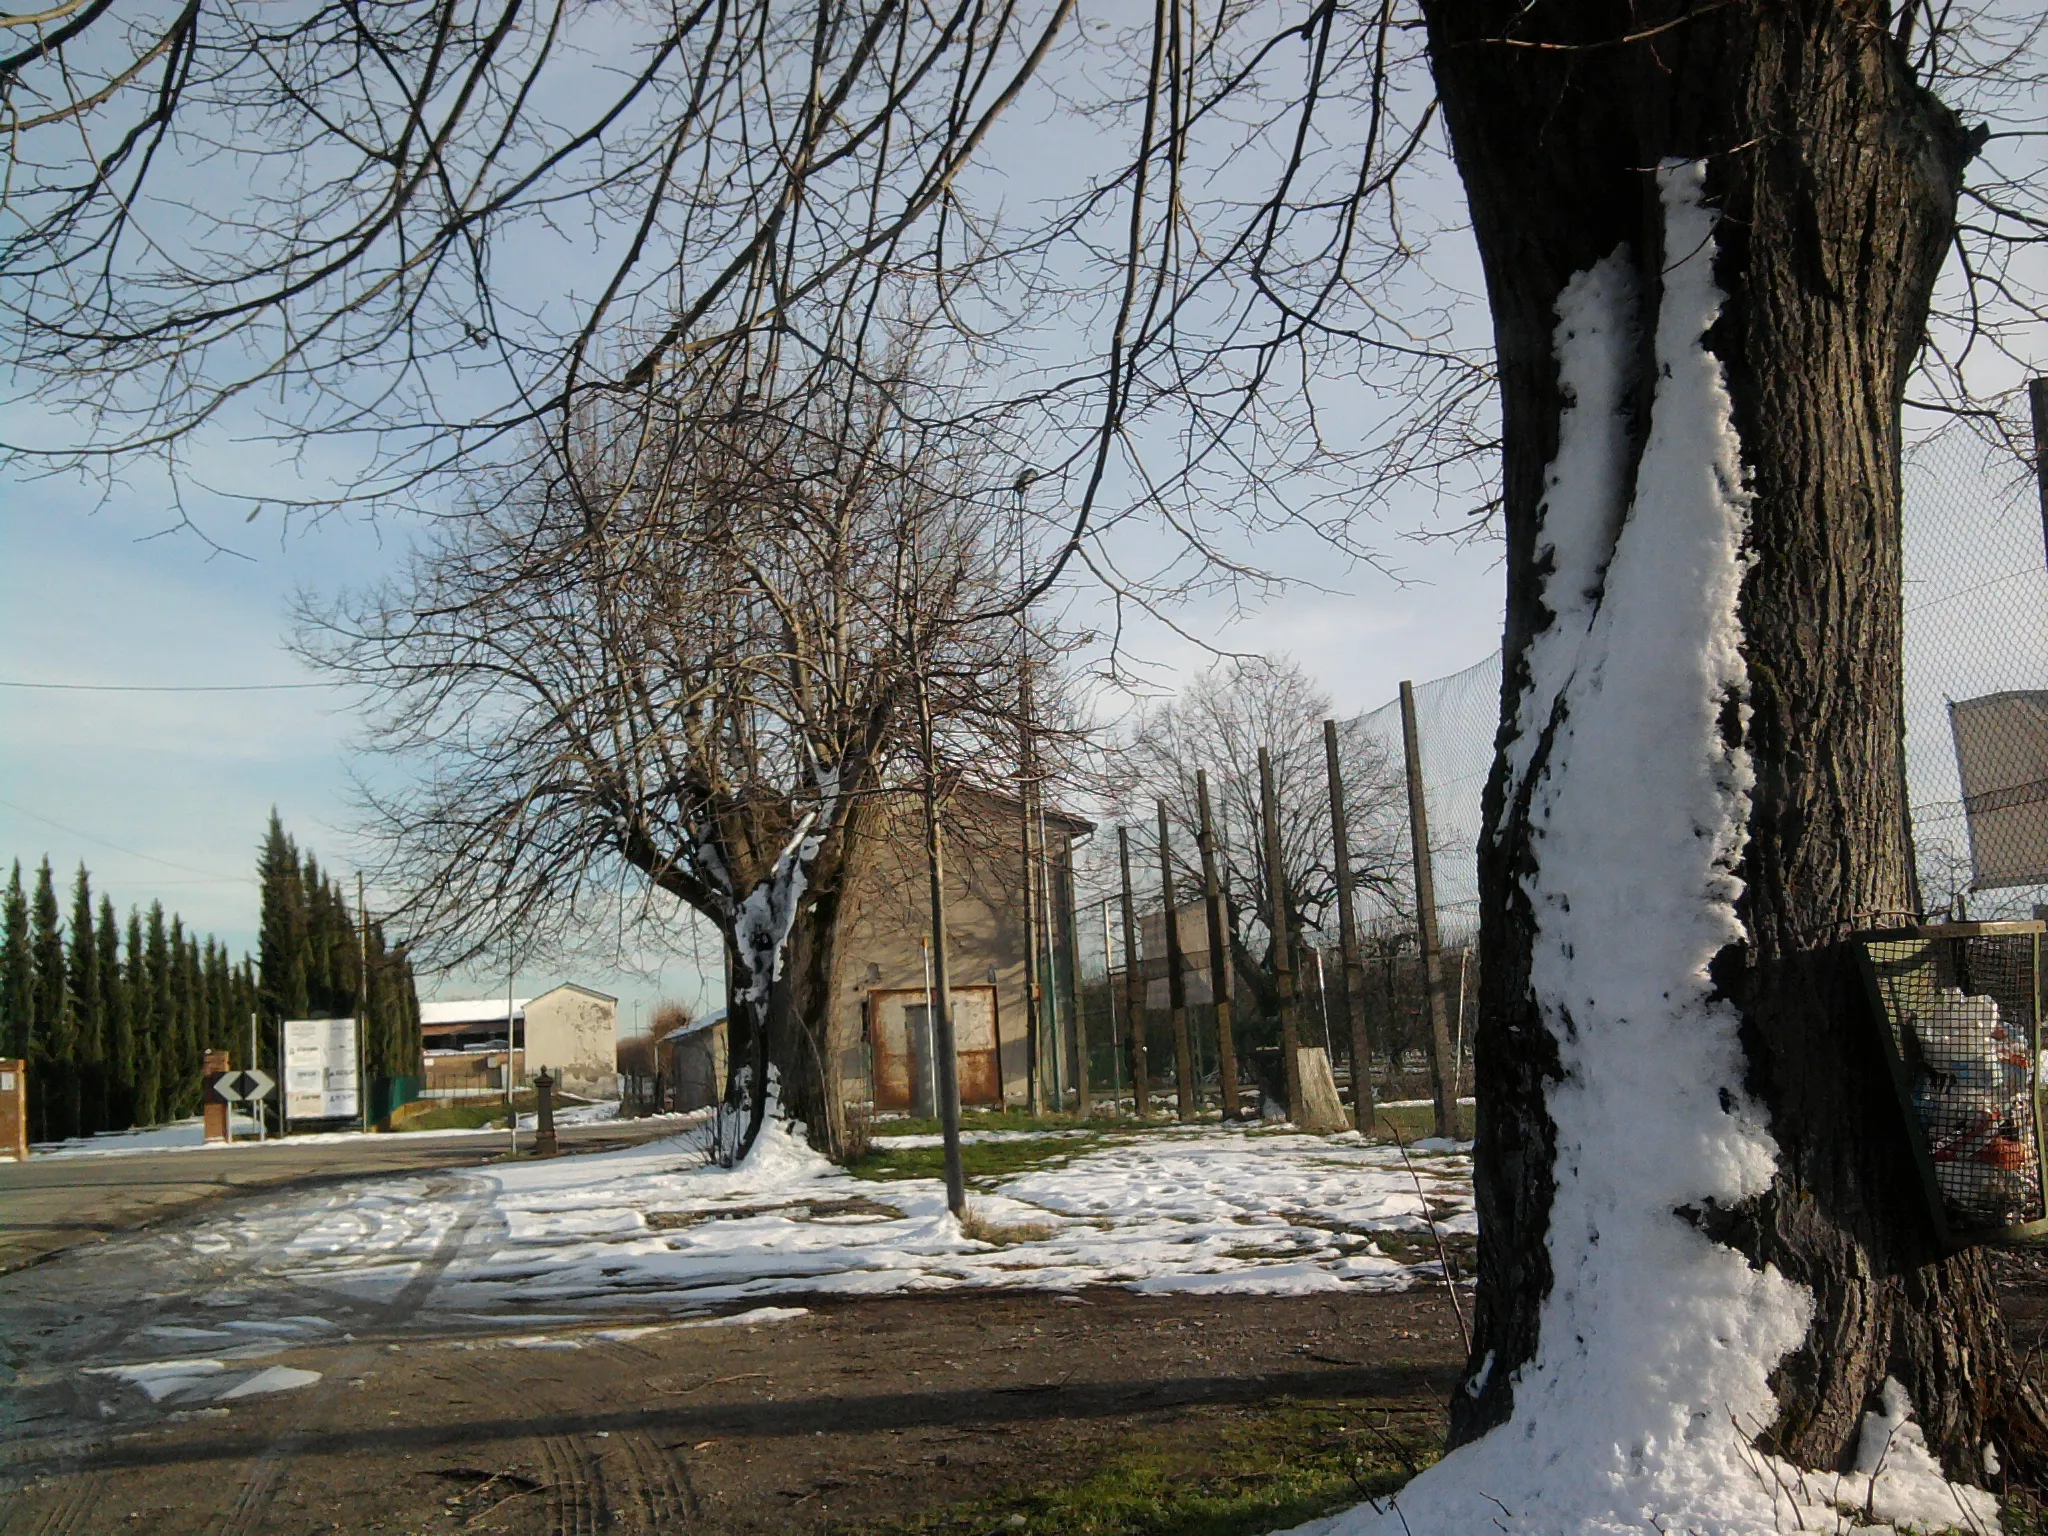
x=1441 y=1084
x=1220 y=969
x=1283 y=937
x=1347 y=942
x=1176 y=983
x=1134 y=994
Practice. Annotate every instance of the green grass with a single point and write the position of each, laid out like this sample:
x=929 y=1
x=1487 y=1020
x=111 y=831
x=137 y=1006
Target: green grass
x=1416 y=1121
x=990 y=1160
x=1277 y=1466
x=983 y=1120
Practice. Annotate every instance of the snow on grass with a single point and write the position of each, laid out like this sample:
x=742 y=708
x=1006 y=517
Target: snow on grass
x=1650 y=1379
x=658 y=1227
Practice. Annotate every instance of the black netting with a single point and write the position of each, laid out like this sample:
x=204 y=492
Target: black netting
x=1961 y=1013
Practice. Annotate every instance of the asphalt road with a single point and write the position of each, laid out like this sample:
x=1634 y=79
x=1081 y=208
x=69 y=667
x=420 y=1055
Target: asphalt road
x=50 y=1204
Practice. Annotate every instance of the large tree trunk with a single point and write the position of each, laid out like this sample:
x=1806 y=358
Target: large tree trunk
x=1836 y=178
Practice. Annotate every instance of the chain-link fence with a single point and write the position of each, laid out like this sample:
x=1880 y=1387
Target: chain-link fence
x=1976 y=624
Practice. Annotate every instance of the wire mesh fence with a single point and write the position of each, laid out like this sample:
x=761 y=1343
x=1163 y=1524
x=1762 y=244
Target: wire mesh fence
x=1976 y=625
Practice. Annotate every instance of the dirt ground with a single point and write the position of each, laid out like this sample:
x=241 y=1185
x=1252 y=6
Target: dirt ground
x=859 y=1413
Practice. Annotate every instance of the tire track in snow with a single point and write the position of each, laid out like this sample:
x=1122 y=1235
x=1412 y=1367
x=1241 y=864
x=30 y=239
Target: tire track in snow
x=266 y=1474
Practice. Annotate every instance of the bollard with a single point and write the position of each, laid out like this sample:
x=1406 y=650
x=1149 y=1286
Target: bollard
x=544 y=1144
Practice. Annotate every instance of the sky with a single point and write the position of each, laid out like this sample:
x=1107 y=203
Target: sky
x=165 y=795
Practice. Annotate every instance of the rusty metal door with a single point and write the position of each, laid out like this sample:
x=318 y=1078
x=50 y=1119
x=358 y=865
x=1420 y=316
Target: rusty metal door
x=896 y=1018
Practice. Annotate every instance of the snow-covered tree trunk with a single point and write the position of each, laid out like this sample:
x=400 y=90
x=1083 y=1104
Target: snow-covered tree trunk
x=782 y=967
x=1710 y=235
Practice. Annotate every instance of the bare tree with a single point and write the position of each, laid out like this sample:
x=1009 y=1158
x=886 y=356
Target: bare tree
x=1219 y=722
x=689 y=648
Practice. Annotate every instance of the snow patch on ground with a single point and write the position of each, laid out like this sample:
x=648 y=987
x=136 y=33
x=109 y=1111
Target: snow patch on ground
x=657 y=1226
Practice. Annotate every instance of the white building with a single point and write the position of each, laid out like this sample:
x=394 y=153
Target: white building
x=571 y=1030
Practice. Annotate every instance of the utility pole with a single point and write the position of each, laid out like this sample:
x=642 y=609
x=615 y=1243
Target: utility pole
x=1176 y=982
x=1134 y=999
x=1442 y=1086
x=1283 y=935
x=1347 y=943
x=1220 y=968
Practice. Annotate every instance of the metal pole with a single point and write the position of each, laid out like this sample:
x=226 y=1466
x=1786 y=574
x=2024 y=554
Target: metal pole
x=1134 y=1004
x=1062 y=1036
x=1059 y=896
x=1034 y=1045
x=2037 y=401
x=945 y=1059
x=1283 y=937
x=1347 y=940
x=362 y=1000
x=1220 y=968
x=1176 y=981
x=1442 y=1088
x=511 y=1104
x=931 y=1046
x=1116 y=1073
x=255 y=1065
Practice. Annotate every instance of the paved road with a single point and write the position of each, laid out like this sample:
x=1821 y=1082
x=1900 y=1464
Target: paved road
x=49 y=1204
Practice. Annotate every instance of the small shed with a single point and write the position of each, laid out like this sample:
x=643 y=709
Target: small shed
x=692 y=1059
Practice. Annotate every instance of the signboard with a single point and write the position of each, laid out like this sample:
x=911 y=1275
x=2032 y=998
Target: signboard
x=237 y=1087
x=320 y=1069
x=2002 y=759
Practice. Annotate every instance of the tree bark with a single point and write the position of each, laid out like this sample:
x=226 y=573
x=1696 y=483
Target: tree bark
x=1836 y=176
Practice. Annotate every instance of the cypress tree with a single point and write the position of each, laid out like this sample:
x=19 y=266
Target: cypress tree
x=17 y=970
x=155 y=1022
x=87 y=1021
x=132 y=1055
x=117 y=1041
x=181 y=1060
x=50 y=1026
x=282 y=938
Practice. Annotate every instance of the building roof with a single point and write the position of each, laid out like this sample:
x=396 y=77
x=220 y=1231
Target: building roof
x=473 y=1010
x=572 y=986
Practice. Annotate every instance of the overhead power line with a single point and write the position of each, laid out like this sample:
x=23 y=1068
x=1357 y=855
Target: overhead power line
x=166 y=687
x=133 y=853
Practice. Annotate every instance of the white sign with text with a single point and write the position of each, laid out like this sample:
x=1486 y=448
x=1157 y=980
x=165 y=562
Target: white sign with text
x=320 y=1069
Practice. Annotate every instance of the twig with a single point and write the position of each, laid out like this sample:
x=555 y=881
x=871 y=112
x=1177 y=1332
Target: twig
x=1436 y=1235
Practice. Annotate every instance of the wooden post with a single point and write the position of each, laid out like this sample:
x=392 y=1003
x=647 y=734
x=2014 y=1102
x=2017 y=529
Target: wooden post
x=1134 y=984
x=1352 y=977
x=1283 y=934
x=1176 y=982
x=2037 y=401
x=1442 y=1086
x=213 y=1109
x=14 y=1108
x=1220 y=968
